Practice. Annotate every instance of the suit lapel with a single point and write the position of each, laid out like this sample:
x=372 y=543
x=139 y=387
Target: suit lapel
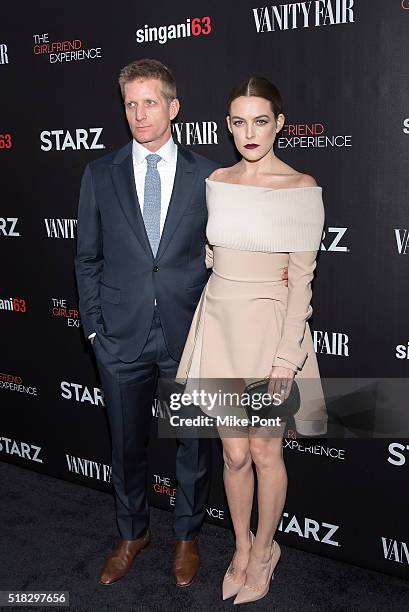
x=185 y=178
x=124 y=183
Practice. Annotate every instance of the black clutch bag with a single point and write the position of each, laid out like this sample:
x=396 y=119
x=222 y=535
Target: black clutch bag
x=256 y=402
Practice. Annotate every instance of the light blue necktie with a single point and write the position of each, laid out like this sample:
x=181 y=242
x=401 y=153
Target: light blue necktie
x=151 y=201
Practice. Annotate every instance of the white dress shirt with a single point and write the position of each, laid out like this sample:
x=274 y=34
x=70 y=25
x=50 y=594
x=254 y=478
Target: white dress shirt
x=167 y=170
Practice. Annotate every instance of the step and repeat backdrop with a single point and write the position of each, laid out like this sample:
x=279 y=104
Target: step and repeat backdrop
x=341 y=66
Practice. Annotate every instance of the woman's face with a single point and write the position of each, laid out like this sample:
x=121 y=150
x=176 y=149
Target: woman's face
x=253 y=125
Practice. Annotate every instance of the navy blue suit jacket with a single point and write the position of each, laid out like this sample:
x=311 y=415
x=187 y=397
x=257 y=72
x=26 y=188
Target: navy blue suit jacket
x=118 y=277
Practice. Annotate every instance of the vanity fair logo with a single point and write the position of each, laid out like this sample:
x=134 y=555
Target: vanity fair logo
x=63 y=50
x=21 y=449
x=81 y=138
x=194 y=26
x=397 y=453
x=8 y=227
x=195 y=132
x=293 y=15
x=4 y=54
x=15 y=304
x=402 y=240
x=331 y=343
x=81 y=393
x=60 y=310
x=311 y=135
x=402 y=351
x=60 y=228
x=393 y=550
x=309 y=529
x=89 y=468
x=314 y=449
x=161 y=409
x=331 y=239
x=12 y=382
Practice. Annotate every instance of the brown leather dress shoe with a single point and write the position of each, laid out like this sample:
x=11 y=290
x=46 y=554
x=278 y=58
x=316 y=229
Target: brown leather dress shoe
x=120 y=560
x=186 y=562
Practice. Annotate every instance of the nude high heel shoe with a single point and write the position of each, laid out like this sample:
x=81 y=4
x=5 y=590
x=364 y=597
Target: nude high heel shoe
x=230 y=587
x=248 y=594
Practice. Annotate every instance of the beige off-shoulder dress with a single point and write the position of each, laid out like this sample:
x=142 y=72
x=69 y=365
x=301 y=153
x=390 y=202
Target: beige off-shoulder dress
x=247 y=319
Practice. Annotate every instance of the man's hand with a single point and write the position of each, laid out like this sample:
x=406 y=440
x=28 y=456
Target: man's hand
x=281 y=380
x=285 y=276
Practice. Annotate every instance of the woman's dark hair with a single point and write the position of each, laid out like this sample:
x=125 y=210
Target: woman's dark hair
x=261 y=87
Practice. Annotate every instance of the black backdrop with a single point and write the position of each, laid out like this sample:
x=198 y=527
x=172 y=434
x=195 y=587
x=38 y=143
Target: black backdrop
x=341 y=67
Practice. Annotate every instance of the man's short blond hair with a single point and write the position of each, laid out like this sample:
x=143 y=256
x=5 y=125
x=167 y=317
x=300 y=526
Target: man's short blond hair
x=149 y=69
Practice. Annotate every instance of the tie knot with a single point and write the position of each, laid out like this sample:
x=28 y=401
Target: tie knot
x=152 y=160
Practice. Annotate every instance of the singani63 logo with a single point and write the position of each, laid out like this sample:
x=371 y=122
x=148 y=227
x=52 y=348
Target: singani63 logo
x=195 y=26
x=5 y=141
x=13 y=304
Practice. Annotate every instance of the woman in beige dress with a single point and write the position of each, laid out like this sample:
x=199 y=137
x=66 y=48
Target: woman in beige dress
x=263 y=216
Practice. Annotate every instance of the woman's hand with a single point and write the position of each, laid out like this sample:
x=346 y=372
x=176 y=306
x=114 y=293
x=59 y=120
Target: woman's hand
x=281 y=380
x=284 y=276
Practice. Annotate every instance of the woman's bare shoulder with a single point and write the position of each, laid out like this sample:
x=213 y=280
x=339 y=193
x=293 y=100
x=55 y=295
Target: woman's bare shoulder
x=222 y=174
x=291 y=177
x=306 y=180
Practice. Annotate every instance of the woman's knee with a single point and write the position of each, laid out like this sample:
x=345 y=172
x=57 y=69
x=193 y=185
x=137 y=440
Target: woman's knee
x=237 y=458
x=266 y=454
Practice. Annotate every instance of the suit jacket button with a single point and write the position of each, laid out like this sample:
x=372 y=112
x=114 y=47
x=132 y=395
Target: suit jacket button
x=155 y=268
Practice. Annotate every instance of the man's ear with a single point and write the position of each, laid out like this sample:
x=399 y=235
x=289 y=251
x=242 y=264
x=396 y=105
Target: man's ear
x=229 y=124
x=174 y=107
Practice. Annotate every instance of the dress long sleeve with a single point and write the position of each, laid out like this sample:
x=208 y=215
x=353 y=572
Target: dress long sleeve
x=290 y=353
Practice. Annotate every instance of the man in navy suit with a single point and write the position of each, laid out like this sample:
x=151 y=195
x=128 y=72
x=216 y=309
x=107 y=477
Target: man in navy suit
x=140 y=268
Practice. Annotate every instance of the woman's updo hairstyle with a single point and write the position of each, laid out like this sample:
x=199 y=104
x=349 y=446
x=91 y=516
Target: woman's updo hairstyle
x=261 y=87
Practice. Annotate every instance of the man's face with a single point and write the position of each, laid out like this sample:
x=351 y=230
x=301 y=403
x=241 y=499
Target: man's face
x=149 y=114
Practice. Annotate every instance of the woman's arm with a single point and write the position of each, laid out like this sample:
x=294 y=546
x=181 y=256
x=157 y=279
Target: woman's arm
x=301 y=268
